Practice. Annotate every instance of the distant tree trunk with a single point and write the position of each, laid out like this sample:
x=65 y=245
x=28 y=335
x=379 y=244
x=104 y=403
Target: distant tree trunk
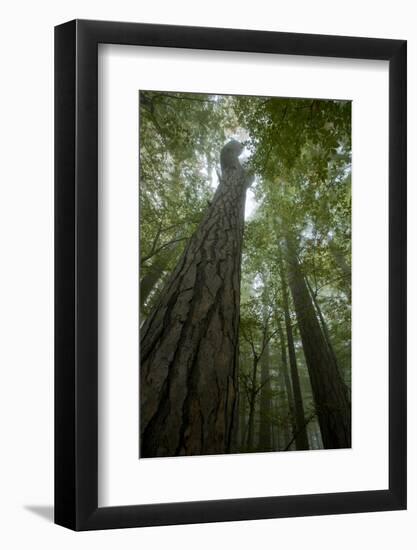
x=189 y=343
x=155 y=271
x=241 y=431
x=314 y=435
x=286 y=382
x=284 y=423
x=329 y=391
x=277 y=430
x=252 y=402
x=301 y=440
x=149 y=280
x=265 y=430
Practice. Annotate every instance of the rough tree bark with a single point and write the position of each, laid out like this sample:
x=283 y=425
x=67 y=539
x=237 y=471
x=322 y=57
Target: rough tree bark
x=189 y=343
x=301 y=439
x=329 y=390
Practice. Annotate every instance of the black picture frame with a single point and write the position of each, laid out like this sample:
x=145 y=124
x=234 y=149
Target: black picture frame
x=76 y=272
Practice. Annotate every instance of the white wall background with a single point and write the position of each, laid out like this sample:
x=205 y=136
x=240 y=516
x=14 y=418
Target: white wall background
x=26 y=272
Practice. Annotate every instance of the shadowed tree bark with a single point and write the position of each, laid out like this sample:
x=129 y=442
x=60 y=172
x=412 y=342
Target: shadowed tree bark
x=322 y=323
x=329 y=390
x=189 y=343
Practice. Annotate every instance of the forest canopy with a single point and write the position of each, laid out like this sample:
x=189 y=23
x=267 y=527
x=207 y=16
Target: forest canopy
x=245 y=273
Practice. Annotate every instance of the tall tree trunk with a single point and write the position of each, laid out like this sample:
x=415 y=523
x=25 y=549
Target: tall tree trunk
x=278 y=431
x=241 y=431
x=252 y=402
x=330 y=393
x=265 y=430
x=323 y=323
x=189 y=343
x=286 y=382
x=301 y=440
x=284 y=423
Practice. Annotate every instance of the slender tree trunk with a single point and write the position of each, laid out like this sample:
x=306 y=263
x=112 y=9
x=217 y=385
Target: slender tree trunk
x=189 y=343
x=330 y=393
x=252 y=402
x=284 y=422
x=149 y=280
x=286 y=382
x=241 y=432
x=276 y=429
x=156 y=270
x=265 y=431
x=244 y=405
x=301 y=440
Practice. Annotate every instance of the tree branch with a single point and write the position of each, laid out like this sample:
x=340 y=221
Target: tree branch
x=149 y=256
x=172 y=96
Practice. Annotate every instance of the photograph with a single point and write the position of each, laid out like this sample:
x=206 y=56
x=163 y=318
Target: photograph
x=245 y=289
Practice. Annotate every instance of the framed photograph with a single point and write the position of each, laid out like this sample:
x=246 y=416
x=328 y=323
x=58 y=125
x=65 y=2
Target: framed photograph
x=230 y=254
